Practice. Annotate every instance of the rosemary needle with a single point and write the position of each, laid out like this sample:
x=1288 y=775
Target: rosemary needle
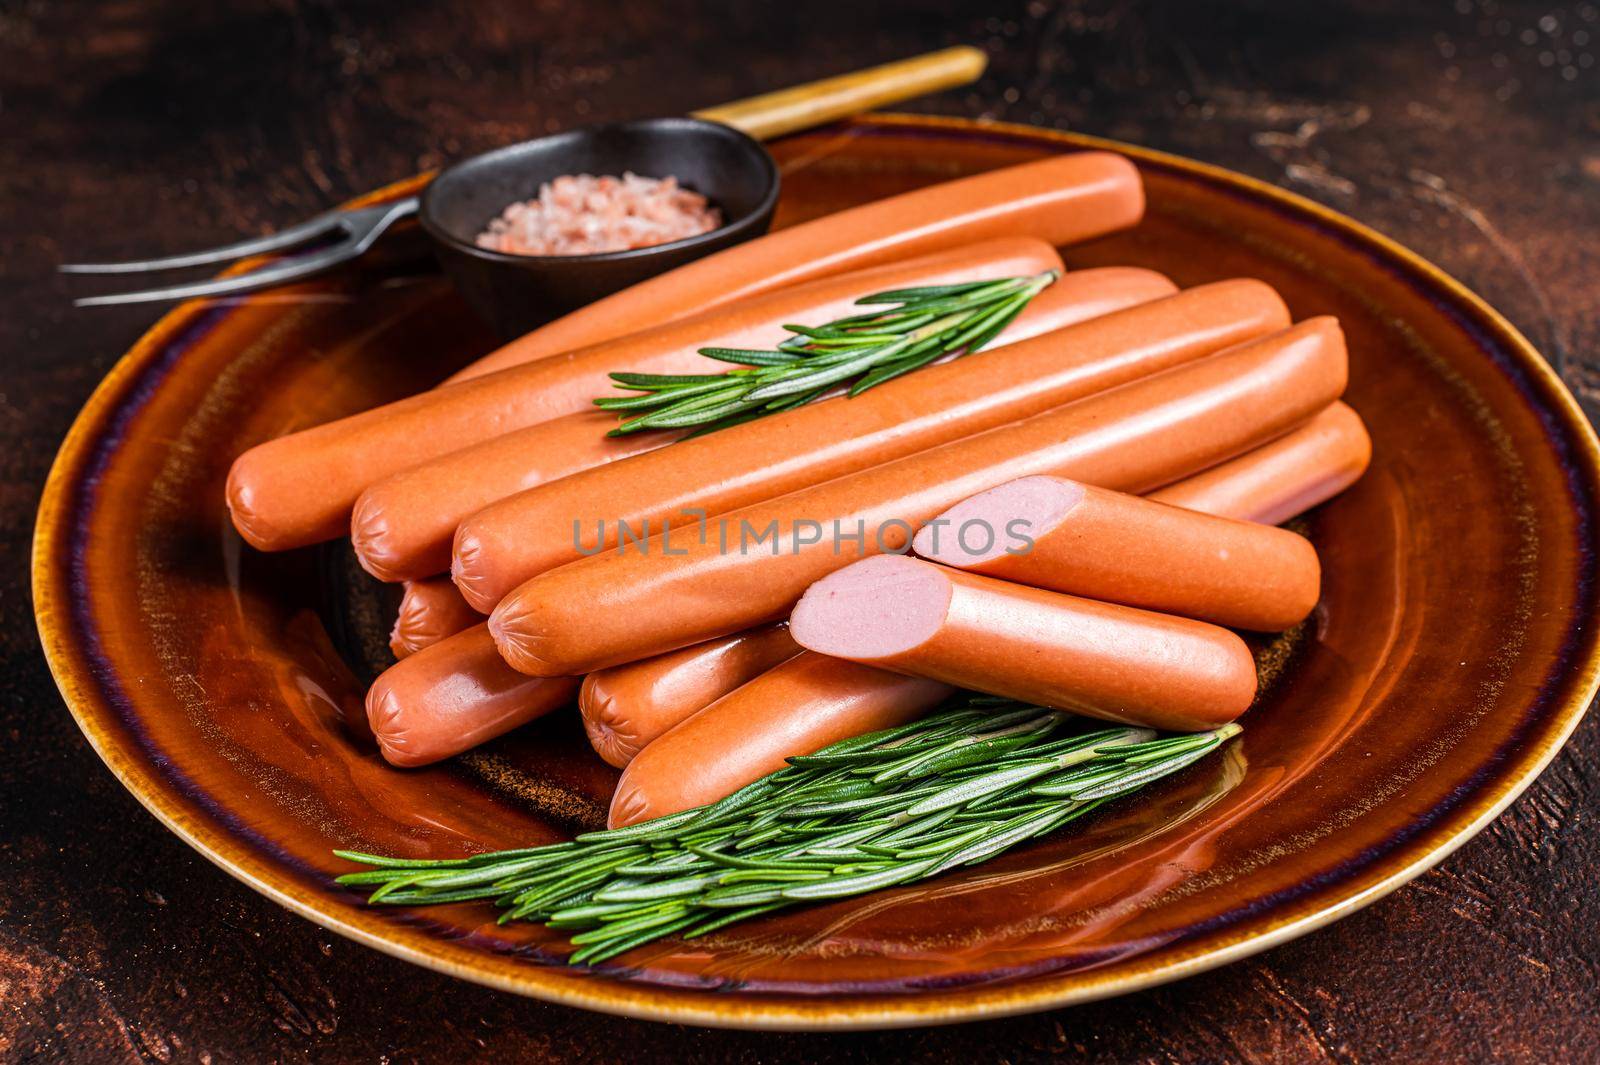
x=866 y=349
x=956 y=788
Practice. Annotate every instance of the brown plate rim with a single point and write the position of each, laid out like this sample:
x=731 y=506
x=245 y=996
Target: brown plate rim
x=54 y=596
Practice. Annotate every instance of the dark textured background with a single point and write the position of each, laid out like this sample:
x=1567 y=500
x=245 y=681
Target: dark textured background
x=1469 y=130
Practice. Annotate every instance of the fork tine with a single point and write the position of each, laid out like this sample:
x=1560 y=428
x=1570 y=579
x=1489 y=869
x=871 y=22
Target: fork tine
x=265 y=277
x=284 y=238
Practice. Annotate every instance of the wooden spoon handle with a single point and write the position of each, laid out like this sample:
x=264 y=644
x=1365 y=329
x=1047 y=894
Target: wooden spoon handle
x=803 y=106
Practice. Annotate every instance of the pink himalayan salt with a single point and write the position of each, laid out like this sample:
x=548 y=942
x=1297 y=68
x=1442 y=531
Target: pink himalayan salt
x=581 y=214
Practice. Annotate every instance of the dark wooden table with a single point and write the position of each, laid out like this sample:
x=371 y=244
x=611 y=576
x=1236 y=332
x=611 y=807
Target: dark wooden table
x=1469 y=130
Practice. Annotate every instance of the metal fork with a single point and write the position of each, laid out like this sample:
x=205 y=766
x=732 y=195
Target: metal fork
x=762 y=117
x=357 y=229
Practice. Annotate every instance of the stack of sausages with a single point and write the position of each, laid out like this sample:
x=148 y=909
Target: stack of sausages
x=1127 y=446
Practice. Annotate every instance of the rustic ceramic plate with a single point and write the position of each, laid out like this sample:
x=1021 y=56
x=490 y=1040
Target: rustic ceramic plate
x=1453 y=652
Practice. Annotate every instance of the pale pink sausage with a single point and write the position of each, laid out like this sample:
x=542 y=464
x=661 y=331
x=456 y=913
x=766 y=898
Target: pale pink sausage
x=1284 y=478
x=300 y=488
x=796 y=708
x=626 y=707
x=1132 y=438
x=1099 y=659
x=452 y=696
x=1062 y=201
x=1056 y=534
x=526 y=534
x=430 y=610
x=403 y=525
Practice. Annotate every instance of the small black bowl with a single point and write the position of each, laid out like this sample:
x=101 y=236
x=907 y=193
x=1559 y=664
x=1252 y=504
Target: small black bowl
x=516 y=293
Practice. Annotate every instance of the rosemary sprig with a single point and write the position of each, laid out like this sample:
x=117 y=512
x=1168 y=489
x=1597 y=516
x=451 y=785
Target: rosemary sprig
x=905 y=804
x=868 y=348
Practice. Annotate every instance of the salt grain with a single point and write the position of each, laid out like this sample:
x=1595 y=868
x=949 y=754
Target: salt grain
x=581 y=214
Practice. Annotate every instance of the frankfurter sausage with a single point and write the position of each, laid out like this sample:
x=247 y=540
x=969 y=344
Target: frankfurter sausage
x=1287 y=477
x=1132 y=438
x=403 y=524
x=626 y=707
x=430 y=610
x=452 y=696
x=795 y=708
x=300 y=488
x=537 y=530
x=1062 y=536
x=1102 y=660
x=1062 y=201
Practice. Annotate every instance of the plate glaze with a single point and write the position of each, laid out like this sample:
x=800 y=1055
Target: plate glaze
x=1452 y=654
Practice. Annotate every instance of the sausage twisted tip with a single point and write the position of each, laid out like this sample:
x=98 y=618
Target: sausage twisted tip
x=387 y=717
x=520 y=639
x=468 y=571
x=431 y=610
x=250 y=520
x=370 y=535
x=629 y=805
x=607 y=729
